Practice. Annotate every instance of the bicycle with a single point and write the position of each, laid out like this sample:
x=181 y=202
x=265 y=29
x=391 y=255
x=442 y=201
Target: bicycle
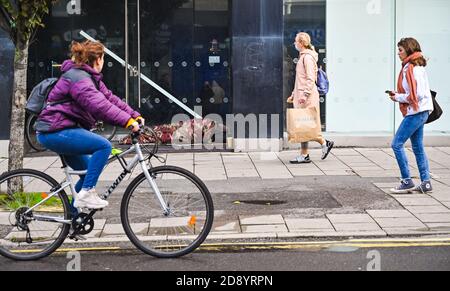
x=100 y=128
x=165 y=211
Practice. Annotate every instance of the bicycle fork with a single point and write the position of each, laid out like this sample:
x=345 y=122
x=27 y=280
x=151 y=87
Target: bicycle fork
x=152 y=183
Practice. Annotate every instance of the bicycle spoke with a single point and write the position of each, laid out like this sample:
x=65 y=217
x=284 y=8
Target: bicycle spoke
x=23 y=236
x=186 y=224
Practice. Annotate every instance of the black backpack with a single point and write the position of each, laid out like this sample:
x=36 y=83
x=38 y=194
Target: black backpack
x=37 y=100
x=437 y=112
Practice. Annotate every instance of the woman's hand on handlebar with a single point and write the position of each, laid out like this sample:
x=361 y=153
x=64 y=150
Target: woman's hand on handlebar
x=140 y=120
x=134 y=127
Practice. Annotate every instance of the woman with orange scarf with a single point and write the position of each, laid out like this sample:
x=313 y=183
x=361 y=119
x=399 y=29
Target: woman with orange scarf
x=414 y=95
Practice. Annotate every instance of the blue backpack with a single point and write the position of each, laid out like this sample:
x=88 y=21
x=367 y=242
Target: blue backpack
x=323 y=85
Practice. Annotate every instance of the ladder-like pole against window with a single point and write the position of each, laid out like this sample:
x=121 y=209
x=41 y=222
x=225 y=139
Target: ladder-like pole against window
x=144 y=78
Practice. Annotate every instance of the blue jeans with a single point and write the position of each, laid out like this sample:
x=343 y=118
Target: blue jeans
x=412 y=128
x=82 y=150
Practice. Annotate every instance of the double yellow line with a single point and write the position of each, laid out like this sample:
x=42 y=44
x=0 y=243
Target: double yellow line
x=318 y=245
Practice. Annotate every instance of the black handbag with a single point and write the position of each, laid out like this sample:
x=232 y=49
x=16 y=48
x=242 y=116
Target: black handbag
x=437 y=112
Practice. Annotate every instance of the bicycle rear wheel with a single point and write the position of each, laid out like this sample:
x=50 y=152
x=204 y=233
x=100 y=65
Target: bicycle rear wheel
x=106 y=130
x=173 y=234
x=28 y=236
x=30 y=134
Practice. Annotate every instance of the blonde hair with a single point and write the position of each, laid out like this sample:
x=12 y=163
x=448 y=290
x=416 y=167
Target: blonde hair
x=305 y=40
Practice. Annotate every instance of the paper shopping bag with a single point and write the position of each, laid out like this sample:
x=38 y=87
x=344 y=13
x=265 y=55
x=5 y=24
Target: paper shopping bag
x=303 y=125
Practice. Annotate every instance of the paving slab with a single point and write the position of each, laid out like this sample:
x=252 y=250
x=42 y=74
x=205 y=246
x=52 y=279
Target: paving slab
x=99 y=224
x=442 y=197
x=399 y=222
x=346 y=152
x=226 y=227
x=296 y=224
x=350 y=218
x=356 y=227
x=3 y=165
x=441 y=226
x=113 y=229
x=398 y=213
x=95 y=233
x=34 y=234
x=339 y=172
x=271 y=235
x=4 y=218
x=418 y=201
x=386 y=185
x=337 y=234
x=407 y=231
x=438 y=217
x=428 y=209
x=261 y=220
x=264 y=228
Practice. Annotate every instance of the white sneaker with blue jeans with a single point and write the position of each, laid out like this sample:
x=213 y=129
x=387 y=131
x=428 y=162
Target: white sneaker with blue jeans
x=89 y=199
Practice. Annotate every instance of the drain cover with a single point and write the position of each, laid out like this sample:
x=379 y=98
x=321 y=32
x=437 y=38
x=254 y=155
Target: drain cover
x=261 y=202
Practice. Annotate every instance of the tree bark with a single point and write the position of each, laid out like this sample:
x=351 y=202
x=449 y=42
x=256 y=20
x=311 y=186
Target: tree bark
x=17 y=137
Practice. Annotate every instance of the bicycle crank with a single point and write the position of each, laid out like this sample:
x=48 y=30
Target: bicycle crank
x=83 y=224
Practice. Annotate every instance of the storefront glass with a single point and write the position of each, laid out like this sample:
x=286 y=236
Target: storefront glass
x=183 y=46
x=357 y=41
x=429 y=22
x=6 y=82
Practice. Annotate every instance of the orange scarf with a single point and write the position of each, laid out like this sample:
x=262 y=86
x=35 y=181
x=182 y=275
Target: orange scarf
x=412 y=98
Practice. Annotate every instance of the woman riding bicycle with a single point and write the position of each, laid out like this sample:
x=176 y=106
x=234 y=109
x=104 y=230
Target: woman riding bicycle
x=64 y=128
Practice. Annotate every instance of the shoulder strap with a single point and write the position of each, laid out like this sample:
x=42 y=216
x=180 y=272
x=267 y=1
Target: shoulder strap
x=304 y=66
x=96 y=84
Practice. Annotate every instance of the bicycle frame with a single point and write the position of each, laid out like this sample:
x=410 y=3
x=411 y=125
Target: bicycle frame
x=128 y=168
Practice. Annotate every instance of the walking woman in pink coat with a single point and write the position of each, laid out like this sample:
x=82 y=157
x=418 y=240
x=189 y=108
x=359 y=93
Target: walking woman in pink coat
x=305 y=94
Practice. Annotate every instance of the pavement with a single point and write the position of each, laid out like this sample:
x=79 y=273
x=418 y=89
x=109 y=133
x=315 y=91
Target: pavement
x=260 y=196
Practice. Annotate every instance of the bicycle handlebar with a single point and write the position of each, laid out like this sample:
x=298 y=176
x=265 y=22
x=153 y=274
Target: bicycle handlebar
x=135 y=135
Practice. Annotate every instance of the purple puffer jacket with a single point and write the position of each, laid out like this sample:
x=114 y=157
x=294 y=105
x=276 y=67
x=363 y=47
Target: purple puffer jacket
x=89 y=103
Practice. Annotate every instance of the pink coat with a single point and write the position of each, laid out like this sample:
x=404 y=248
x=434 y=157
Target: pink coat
x=305 y=91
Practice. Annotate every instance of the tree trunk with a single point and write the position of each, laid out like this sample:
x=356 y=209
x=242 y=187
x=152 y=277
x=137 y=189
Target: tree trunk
x=17 y=137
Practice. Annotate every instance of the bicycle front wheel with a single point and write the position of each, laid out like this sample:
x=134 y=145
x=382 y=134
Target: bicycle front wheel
x=28 y=232
x=175 y=233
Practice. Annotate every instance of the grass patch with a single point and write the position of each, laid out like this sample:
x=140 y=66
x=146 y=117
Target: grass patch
x=18 y=200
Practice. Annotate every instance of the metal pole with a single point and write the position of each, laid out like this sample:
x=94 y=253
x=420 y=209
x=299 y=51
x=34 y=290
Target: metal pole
x=126 y=53
x=139 y=50
x=145 y=78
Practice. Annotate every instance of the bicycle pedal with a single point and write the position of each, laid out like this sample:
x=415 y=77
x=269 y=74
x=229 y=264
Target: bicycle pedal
x=78 y=237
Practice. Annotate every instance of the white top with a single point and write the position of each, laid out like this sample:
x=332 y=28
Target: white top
x=423 y=91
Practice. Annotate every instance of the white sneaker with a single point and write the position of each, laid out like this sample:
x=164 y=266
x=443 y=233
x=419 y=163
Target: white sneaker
x=89 y=199
x=326 y=149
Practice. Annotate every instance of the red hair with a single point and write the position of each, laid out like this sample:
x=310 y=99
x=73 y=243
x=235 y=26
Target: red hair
x=86 y=52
